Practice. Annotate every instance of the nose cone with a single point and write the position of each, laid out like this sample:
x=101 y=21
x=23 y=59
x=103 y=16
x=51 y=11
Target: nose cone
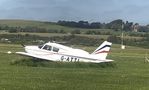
x=27 y=48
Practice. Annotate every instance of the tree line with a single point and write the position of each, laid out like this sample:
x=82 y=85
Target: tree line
x=81 y=24
x=72 y=40
x=116 y=25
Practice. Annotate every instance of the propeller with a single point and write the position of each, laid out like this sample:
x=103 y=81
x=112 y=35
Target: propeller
x=23 y=45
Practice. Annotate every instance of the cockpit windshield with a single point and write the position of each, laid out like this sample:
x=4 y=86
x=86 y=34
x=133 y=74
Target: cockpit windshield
x=49 y=48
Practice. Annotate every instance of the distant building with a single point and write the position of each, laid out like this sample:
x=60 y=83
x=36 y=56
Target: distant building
x=135 y=27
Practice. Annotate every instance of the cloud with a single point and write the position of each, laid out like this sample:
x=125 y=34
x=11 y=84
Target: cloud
x=94 y=10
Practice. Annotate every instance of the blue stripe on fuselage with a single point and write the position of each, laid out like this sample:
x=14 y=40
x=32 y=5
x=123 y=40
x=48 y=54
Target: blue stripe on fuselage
x=103 y=47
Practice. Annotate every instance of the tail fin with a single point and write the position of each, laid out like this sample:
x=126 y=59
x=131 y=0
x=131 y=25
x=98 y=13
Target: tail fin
x=102 y=51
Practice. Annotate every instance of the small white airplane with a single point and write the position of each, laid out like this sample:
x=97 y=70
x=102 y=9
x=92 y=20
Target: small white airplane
x=57 y=52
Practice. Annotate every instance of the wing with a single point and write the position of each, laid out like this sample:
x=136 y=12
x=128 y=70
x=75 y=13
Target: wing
x=25 y=54
x=34 y=56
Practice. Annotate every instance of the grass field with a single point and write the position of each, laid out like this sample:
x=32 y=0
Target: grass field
x=128 y=72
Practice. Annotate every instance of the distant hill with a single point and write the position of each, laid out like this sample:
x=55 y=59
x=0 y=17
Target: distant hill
x=24 y=23
x=40 y=24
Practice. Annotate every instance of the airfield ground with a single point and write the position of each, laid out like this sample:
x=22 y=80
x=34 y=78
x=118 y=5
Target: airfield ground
x=127 y=72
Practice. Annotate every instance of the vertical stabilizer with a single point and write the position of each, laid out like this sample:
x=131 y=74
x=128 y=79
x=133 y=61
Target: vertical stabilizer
x=102 y=51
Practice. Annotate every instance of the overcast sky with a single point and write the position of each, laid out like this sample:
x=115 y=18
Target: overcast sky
x=90 y=10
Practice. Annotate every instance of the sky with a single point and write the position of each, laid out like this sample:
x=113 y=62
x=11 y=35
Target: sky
x=88 y=10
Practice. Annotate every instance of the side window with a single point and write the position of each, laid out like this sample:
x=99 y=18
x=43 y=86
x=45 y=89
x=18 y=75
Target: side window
x=55 y=49
x=46 y=47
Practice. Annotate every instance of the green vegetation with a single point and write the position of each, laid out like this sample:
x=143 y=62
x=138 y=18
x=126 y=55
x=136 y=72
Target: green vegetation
x=127 y=72
x=79 y=39
x=15 y=28
x=37 y=26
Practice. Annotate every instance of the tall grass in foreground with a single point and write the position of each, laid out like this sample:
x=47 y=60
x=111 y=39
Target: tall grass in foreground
x=127 y=72
x=44 y=63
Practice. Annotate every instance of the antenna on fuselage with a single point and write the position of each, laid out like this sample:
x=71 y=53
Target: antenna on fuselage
x=53 y=41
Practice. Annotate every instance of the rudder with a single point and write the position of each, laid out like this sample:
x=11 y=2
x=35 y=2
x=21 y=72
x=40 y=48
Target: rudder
x=102 y=51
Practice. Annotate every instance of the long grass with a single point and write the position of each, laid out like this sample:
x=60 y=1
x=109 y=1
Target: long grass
x=125 y=73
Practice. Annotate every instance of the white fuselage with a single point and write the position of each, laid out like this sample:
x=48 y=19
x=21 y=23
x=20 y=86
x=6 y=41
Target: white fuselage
x=58 y=52
x=69 y=55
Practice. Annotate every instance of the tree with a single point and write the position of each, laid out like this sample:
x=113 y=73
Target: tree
x=128 y=26
x=116 y=24
x=95 y=25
